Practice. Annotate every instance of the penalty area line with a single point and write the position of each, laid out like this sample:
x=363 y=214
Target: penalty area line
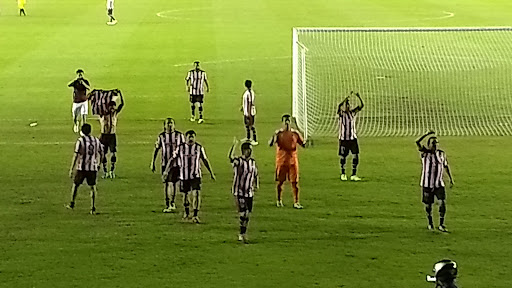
x=236 y=60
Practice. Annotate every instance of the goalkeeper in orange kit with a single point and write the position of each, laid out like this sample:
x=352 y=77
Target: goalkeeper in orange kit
x=287 y=162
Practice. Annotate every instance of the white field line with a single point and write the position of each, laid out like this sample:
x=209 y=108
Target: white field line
x=236 y=60
x=446 y=16
x=171 y=14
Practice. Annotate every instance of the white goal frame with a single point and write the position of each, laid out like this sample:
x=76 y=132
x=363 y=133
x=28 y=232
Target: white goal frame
x=299 y=62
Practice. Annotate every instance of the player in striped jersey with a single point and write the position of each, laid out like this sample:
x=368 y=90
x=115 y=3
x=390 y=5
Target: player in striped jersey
x=110 y=12
x=189 y=155
x=80 y=107
x=168 y=141
x=249 y=110
x=347 y=136
x=287 y=162
x=196 y=79
x=434 y=162
x=108 y=123
x=245 y=183
x=88 y=151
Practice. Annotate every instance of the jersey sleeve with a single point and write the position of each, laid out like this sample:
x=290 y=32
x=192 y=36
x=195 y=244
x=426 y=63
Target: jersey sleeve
x=158 y=143
x=235 y=162
x=78 y=146
x=202 y=153
x=423 y=149
x=188 y=76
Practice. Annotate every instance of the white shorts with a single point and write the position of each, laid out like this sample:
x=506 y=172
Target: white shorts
x=80 y=109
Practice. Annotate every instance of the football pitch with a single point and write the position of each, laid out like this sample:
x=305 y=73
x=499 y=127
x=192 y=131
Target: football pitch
x=367 y=234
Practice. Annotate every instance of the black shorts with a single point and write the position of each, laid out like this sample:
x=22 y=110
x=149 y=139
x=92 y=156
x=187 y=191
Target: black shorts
x=109 y=142
x=196 y=99
x=189 y=185
x=429 y=193
x=244 y=203
x=348 y=146
x=110 y=12
x=249 y=120
x=173 y=175
x=89 y=175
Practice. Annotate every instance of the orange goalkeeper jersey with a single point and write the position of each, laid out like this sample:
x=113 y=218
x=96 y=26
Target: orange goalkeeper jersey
x=286 y=148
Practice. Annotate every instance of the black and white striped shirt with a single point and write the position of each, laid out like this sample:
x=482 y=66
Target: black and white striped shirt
x=169 y=142
x=89 y=150
x=189 y=160
x=347 y=125
x=433 y=163
x=196 y=78
x=245 y=176
x=248 y=103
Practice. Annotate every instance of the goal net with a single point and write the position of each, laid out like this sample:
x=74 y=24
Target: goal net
x=456 y=81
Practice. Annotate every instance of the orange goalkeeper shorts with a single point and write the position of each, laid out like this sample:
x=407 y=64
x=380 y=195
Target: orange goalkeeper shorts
x=287 y=172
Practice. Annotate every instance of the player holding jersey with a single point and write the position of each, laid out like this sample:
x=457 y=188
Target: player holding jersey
x=108 y=123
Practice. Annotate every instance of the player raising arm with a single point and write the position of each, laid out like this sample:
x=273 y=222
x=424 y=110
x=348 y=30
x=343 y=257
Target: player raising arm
x=347 y=136
x=189 y=155
x=286 y=140
x=169 y=141
x=245 y=183
x=80 y=106
x=196 y=80
x=108 y=137
x=433 y=162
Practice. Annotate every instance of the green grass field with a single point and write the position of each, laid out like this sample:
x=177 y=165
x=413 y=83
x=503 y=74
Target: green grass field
x=367 y=234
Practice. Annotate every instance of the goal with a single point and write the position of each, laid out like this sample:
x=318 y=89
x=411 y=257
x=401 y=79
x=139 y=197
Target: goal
x=456 y=81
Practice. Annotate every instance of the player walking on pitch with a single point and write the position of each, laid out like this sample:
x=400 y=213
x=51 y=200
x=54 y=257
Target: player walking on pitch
x=189 y=155
x=21 y=6
x=110 y=13
x=80 y=107
x=434 y=162
x=347 y=136
x=287 y=162
x=249 y=110
x=196 y=80
x=169 y=141
x=88 y=151
x=108 y=138
x=245 y=183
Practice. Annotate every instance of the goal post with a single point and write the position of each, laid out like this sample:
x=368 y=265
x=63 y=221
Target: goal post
x=453 y=80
